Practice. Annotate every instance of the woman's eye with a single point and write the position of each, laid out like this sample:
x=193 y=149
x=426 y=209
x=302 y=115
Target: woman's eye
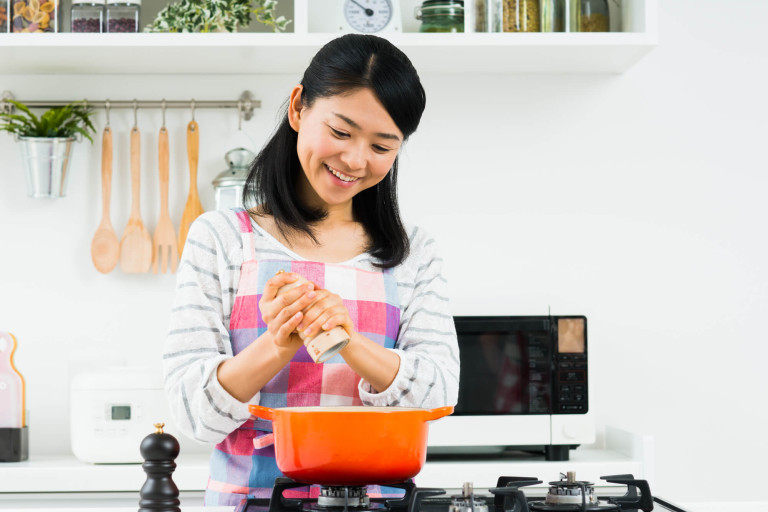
x=380 y=149
x=339 y=133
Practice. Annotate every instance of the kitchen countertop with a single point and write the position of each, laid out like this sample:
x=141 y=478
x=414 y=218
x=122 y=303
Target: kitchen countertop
x=67 y=474
x=63 y=481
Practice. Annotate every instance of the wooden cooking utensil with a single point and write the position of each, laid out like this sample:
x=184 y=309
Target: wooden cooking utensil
x=165 y=248
x=136 y=244
x=105 y=247
x=193 y=209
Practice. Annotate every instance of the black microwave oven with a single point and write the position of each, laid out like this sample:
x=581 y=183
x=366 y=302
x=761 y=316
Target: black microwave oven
x=524 y=384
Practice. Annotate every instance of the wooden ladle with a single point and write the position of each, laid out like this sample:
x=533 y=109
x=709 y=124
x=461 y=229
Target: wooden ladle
x=105 y=247
x=136 y=244
x=193 y=209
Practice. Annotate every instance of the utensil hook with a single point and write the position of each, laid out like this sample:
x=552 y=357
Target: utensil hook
x=193 y=108
x=135 y=114
x=163 y=127
x=240 y=115
x=106 y=107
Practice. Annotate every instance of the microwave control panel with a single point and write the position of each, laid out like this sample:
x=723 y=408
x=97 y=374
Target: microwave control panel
x=570 y=361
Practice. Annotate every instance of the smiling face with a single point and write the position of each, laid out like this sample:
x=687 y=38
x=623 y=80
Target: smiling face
x=346 y=144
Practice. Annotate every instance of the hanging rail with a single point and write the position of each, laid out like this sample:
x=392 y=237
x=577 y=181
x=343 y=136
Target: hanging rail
x=245 y=104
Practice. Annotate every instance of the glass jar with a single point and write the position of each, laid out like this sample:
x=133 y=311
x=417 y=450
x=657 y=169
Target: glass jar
x=483 y=11
x=35 y=16
x=517 y=16
x=123 y=15
x=441 y=16
x=593 y=16
x=87 y=16
x=560 y=15
x=3 y=16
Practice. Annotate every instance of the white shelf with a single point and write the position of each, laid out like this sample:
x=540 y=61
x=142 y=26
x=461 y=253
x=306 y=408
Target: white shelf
x=289 y=53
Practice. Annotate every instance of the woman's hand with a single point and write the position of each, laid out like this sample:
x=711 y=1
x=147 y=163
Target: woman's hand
x=325 y=313
x=283 y=313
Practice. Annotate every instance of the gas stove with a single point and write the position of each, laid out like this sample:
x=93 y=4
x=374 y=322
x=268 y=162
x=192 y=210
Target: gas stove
x=564 y=495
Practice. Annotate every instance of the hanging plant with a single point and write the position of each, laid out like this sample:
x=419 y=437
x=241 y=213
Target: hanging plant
x=216 y=16
x=66 y=121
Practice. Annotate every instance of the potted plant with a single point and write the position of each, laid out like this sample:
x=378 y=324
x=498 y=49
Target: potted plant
x=216 y=16
x=46 y=142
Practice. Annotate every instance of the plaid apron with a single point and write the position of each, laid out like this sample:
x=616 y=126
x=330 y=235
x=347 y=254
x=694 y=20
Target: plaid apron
x=237 y=469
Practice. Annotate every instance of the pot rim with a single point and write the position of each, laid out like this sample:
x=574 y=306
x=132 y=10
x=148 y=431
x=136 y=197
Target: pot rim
x=348 y=408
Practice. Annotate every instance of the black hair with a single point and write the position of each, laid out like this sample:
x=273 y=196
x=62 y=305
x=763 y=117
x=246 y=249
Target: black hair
x=342 y=66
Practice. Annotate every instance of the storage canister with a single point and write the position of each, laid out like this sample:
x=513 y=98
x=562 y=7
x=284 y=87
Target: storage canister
x=441 y=16
x=34 y=15
x=593 y=16
x=87 y=16
x=560 y=15
x=4 y=16
x=517 y=16
x=123 y=15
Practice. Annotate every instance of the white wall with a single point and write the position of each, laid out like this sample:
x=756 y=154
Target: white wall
x=638 y=200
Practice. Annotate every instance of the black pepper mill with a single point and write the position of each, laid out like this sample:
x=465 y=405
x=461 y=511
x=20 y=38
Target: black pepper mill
x=159 y=493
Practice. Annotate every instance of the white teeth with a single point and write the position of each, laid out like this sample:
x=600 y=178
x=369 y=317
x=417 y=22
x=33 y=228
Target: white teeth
x=342 y=177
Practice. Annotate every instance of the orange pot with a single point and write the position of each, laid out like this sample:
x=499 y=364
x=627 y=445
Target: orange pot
x=350 y=445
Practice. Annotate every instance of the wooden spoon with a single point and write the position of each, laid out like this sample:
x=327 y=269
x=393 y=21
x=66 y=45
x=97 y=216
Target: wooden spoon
x=136 y=244
x=105 y=247
x=193 y=209
x=165 y=248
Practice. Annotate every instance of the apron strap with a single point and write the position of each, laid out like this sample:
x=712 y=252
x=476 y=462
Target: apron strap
x=247 y=234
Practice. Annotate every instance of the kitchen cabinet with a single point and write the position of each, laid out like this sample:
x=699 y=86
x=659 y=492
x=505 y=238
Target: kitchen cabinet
x=289 y=53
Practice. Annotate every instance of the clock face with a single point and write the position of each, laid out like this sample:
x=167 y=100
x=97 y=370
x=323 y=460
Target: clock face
x=368 y=15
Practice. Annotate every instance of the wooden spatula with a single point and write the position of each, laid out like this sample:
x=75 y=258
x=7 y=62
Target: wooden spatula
x=165 y=248
x=105 y=247
x=193 y=209
x=136 y=244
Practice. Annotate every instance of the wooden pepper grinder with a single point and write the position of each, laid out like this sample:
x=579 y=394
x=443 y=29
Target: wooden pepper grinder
x=159 y=493
x=324 y=345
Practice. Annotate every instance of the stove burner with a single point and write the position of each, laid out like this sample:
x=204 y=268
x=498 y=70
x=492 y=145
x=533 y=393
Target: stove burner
x=571 y=494
x=343 y=497
x=467 y=502
x=568 y=491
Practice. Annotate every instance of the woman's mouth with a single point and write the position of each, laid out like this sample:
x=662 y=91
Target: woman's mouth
x=343 y=177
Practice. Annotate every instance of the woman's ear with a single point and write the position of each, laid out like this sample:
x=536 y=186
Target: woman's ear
x=295 y=106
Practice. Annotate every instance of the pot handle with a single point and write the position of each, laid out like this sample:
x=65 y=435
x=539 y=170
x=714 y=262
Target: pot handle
x=434 y=414
x=262 y=412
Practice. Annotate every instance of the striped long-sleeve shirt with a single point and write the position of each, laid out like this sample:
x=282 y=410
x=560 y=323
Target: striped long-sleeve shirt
x=198 y=338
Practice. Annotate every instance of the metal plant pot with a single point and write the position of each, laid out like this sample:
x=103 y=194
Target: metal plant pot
x=46 y=164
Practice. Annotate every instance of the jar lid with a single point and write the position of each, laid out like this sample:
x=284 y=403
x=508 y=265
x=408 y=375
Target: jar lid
x=123 y=2
x=440 y=8
x=86 y=3
x=443 y=3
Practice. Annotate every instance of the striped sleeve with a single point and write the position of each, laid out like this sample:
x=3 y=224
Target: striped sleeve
x=429 y=354
x=198 y=338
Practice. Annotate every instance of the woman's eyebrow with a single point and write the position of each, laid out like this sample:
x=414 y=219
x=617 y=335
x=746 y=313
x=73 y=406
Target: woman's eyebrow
x=357 y=126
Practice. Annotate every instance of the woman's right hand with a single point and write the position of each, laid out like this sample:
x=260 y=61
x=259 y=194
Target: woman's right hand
x=283 y=313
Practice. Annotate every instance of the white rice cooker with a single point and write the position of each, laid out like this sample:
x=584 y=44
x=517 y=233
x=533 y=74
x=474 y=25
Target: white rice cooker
x=111 y=411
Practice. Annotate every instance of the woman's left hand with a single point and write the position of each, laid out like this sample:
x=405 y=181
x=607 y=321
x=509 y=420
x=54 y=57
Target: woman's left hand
x=324 y=314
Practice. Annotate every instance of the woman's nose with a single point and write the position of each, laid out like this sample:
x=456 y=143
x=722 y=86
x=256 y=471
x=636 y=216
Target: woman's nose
x=354 y=157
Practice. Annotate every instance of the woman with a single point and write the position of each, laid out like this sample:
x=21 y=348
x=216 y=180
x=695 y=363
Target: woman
x=325 y=207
